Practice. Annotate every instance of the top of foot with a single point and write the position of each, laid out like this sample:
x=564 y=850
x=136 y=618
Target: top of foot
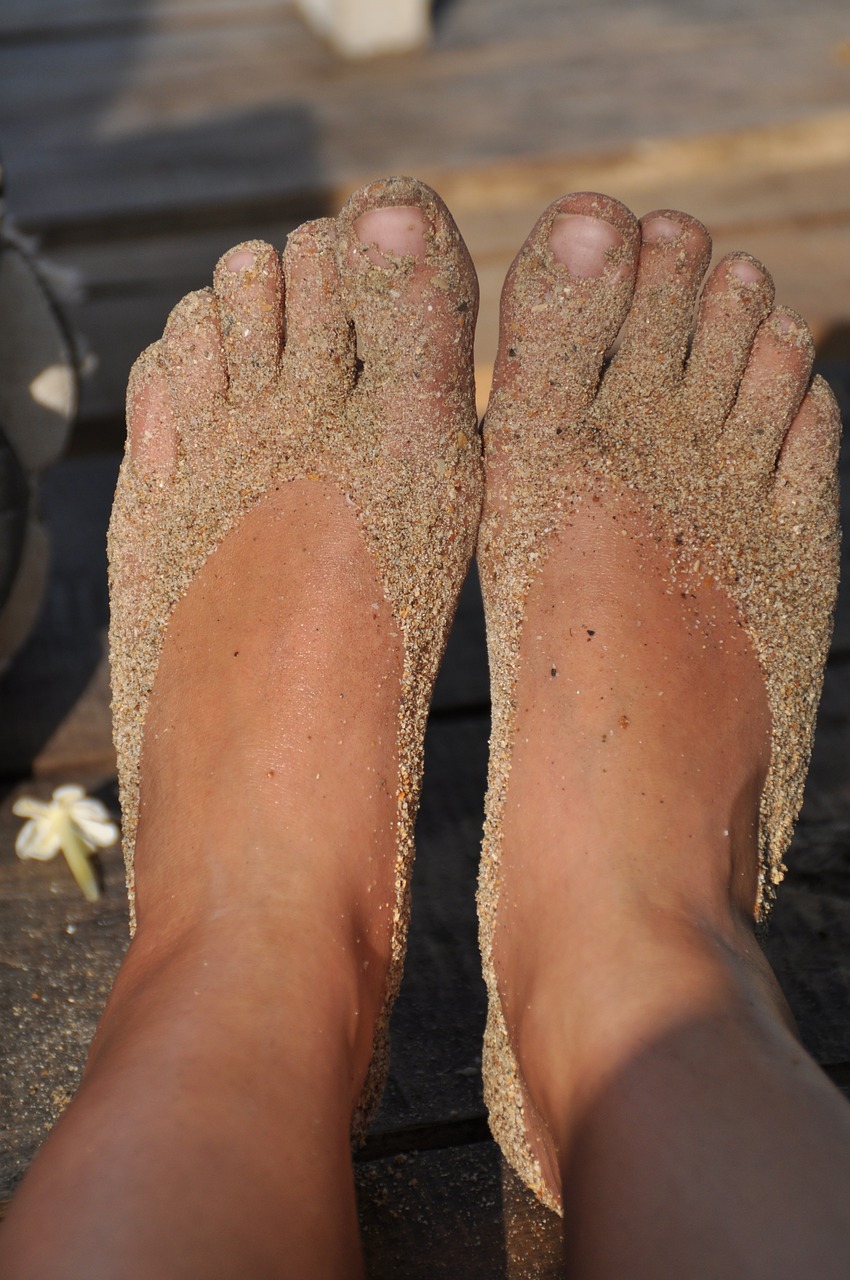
x=730 y=449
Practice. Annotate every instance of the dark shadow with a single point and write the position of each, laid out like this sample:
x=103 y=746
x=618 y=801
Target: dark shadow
x=438 y=1021
x=835 y=343
x=439 y=8
x=433 y=1214
x=674 y=1135
x=51 y=672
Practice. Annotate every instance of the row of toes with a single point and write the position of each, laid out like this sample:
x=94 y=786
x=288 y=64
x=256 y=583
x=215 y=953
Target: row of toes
x=336 y=306
x=588 y=274
x=592 y=277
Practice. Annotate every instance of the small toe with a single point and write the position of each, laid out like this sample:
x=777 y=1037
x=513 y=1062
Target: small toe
x=151 y=433
x=193 y=361
x=808 y=459
x=248 y=283
x=564 y=300
x=412 y=292
x=675 y=253
x=737 y=297
x=772 y=388
x=319 y=334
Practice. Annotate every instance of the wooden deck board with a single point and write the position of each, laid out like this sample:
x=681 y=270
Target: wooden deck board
x=167 y=113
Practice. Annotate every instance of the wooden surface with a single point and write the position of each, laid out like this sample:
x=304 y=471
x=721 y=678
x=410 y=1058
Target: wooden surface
x=142 y=139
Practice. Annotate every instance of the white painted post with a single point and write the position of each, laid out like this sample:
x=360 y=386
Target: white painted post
x=359 y=28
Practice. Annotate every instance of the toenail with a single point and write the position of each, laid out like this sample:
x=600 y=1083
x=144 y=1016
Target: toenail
x=660 y=231
x=240 y=260
x=582 y=244
x=745 y=271
x=784 y=323
x=394 y=231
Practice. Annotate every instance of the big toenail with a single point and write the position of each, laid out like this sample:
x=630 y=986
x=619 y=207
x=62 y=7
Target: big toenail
x=582 y=243
x=660 y=231
x=240 y=260
x=394 y=231
x=746 y=272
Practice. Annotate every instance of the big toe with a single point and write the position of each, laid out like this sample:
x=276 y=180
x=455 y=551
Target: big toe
x=564 y=300
x=412 y=293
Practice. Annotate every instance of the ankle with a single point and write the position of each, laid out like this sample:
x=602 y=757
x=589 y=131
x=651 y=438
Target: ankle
x=635 y=979
x=279 y=996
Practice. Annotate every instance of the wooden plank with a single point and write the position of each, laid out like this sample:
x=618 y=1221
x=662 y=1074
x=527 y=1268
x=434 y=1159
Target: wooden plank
x=171 y=118
x=58 y=955
x=34 y=21
x=460 y=1213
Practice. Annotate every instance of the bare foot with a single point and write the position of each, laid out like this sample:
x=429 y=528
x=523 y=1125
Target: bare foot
x=292 y=526
x=659 y=561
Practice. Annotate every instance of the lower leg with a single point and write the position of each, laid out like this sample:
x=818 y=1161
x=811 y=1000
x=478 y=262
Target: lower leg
x=694 y=1134
x=211 y=1134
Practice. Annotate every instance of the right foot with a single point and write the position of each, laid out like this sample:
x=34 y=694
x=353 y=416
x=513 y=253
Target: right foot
x=658 y=556
x=292 y=526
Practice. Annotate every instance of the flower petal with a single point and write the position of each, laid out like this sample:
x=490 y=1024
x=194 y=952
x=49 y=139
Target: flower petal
x=97 y=833
x=68 y=795
x=36 y=839
x=29 y=807
x=88 y=807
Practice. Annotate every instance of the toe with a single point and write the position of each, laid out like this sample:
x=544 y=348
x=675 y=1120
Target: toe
x=565 y=298
x=675 y=253
x=808 y=460
x=736 y=299
x=412 y=292
x=151 y=434
x=193 y=361
x=319 y=335
x=248 y=283
x=771 y=390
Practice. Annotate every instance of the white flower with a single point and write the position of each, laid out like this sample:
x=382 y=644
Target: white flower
x=70 y=821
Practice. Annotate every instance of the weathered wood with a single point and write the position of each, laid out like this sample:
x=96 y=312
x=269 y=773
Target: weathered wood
x=161 y=117
x=459 y=1213
x=58 y=956
x=36 y=21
